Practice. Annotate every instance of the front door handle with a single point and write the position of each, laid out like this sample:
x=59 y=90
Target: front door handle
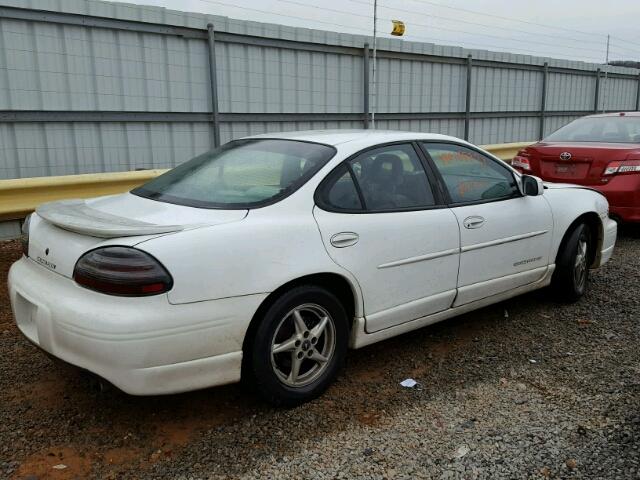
x=344 y=239
x=473 y=222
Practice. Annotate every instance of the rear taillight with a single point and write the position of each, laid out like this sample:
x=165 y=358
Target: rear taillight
x=24 y=236
x=620 y=168
x=521 y=161
x=122 y=271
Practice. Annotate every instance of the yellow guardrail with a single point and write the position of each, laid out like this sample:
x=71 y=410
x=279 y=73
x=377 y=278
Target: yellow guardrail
x=21 y=196
x=505 y=151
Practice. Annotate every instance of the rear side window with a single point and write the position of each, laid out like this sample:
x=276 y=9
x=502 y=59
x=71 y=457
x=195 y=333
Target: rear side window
x=341 y=193
x=470 y=176
x=386 y=179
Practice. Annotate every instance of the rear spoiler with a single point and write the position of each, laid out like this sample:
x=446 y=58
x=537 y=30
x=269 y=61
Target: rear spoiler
x=76 y=216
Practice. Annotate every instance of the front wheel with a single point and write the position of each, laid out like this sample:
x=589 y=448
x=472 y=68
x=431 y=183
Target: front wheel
x=299 y=346
x=572 y=265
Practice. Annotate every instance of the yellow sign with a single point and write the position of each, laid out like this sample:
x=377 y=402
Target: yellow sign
x=398 y=28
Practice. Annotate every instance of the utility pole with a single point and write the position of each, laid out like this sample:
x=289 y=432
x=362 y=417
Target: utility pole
x=606 y=71
x=375 y=51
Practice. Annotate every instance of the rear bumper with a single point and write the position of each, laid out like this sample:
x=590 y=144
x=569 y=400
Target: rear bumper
x=626 y=214
x=623 y=195
x=143 y=345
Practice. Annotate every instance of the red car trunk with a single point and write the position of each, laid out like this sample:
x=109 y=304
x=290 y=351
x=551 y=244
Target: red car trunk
x=585 y=163
x=601 y=151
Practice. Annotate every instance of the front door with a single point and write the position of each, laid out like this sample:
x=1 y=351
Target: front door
x=505 y=238
x=380 y=220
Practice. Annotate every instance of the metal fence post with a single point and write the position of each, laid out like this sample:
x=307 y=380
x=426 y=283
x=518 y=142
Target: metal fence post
x=543 y=101
x=597 y=94
x=214 y=85
x=365 y=84
x=467 y=106
x=638 y=95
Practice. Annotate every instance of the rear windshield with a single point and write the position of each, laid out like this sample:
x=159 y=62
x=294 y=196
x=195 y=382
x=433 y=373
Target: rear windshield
x=240 y=174
x=621 y=129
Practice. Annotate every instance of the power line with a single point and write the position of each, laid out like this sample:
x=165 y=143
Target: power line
x=510 y=19
x=499 y=37
x=501 y=48
x=470 y=43
x=161 y=10
x=306 y=19
x=625 y=48
x=626 y=41
x=351 y=27
x=457 y=20
x=149 y=8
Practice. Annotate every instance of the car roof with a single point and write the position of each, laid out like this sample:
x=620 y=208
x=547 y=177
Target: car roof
x=614 y=114
x=337 y=137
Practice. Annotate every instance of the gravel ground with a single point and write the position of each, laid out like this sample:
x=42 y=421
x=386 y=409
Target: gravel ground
x=527 y=388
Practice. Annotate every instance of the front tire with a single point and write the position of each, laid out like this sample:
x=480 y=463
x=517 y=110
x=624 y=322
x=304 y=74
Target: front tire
x=570 y=278
x=299 y=346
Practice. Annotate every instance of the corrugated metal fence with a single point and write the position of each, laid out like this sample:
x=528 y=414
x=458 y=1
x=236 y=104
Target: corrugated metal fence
x=89 y=86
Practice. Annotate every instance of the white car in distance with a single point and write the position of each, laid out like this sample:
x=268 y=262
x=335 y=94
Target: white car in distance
x=268 y=258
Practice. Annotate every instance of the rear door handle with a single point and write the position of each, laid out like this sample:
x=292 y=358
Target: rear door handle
x=344 y=239
x=473 y=222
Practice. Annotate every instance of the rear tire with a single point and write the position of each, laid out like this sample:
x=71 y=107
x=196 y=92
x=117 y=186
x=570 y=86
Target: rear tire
x=299 y=346
x=569 y=282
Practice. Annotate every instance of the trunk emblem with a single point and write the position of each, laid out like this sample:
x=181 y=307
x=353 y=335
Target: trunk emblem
x=46 y=252
x=565 y=156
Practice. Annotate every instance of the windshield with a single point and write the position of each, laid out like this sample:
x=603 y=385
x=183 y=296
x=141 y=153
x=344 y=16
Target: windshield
x=240 y=174
x=620 y=129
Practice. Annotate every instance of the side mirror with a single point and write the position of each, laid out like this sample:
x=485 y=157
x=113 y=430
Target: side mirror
x=532 y=186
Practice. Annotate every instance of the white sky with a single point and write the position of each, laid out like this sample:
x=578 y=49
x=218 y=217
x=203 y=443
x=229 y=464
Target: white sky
x=573 y=29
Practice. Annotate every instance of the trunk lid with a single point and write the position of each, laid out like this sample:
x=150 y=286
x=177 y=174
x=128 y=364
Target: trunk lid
x=581 y=162
x=60 y=232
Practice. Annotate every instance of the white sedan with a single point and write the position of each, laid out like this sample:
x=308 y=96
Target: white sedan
x=268 y=258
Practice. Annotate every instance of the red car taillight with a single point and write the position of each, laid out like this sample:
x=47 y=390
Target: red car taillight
x=521 y=160
x=122 y=271
x=620 y=168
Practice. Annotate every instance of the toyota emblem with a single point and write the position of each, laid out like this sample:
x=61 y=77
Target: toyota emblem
x=565 y=156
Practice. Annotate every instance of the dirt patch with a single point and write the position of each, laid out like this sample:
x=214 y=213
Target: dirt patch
x=370 y=418
x=61 y=463
x=43 y=394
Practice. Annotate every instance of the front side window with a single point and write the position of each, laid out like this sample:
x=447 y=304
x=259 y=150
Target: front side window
x=470 y=176
x=240 y=174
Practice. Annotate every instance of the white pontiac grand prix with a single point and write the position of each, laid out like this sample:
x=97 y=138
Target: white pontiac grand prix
x=269 y=257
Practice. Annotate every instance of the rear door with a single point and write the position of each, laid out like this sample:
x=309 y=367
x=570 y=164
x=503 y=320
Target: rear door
x=505 y=238
x=380 y=219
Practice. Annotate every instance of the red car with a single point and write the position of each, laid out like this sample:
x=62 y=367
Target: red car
x=600 y=151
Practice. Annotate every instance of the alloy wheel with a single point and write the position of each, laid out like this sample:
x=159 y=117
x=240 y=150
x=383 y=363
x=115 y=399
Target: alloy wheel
x=580 y=266
x=303 y=345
